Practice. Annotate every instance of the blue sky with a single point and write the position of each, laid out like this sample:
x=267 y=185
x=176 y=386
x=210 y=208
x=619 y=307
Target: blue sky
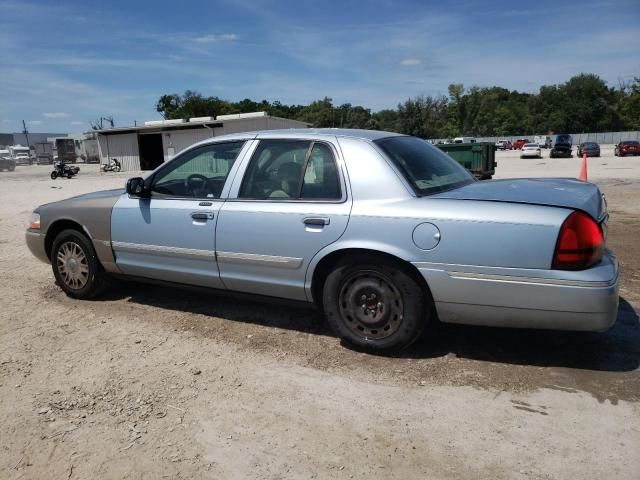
x=66 y=62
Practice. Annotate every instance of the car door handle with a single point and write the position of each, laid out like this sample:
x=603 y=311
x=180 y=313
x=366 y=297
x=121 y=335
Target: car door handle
x=317 y=221
x=202 y=215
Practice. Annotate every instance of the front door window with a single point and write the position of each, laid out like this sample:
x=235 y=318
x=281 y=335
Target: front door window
x=200 y=173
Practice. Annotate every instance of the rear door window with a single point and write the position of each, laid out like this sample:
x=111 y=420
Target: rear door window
x=291 y=170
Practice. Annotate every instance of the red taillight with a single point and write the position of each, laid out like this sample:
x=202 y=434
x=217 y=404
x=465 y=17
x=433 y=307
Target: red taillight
x=580 y=243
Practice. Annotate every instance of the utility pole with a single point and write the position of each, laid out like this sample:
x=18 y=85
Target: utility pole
x=26 y=132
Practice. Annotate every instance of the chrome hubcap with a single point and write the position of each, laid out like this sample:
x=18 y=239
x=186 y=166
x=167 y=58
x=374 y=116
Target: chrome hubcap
x=370 y=304
x=72 y=265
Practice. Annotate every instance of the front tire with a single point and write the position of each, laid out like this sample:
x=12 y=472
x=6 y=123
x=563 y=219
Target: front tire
x=75 y=265
x=376 y=305
x=54 y=175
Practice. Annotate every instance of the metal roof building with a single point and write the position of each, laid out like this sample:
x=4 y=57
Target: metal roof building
x=146 y=147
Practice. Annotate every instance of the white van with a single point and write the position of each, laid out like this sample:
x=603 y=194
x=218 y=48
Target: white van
x=464 y=140
x=544 y=141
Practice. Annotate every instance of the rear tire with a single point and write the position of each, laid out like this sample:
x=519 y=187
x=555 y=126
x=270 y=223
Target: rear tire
x=76 y=267
x=376 y=305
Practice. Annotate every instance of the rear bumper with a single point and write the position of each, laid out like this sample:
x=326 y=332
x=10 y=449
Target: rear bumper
x=35 y=243
x=561 y=152
x=548 y=299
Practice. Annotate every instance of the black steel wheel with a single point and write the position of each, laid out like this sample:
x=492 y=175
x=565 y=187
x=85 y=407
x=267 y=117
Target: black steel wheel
x=75 y=265
x=375 y=304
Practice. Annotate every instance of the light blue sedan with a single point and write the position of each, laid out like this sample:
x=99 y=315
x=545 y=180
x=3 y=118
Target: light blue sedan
x=385 y=232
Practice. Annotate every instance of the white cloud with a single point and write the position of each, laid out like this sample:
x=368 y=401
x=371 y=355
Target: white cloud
x=409 y=62
x=216 y=38
x=76 y=122
x=56 y=115
x=5 y=120
x=34 y=122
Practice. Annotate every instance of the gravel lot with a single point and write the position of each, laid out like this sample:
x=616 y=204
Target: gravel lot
x=151 y=382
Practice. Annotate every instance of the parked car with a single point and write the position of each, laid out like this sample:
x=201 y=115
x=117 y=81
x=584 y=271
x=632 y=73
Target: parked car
x=518 y=144
x=628 y=147
x=561 y=147
x=7 y=163
x=386 y=250
x=531 y=150
x=464 y=140
x=592 y=149
x=503 y=145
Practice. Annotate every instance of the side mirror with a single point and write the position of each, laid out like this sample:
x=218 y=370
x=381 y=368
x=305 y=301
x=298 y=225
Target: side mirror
x=136 y=187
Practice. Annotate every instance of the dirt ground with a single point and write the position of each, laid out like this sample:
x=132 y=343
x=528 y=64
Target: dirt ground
x=151 y=382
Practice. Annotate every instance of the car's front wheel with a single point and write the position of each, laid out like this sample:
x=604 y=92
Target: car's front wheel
x=376 y=305
x=76 y=266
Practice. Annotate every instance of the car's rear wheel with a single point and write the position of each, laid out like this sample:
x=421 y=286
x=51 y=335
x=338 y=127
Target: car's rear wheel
x=376 y=305
x=76 y=266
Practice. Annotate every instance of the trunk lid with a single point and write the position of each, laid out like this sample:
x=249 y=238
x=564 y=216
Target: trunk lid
x=553 y=192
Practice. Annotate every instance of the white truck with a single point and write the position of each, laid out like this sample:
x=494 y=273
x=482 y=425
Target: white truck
x=21 y=155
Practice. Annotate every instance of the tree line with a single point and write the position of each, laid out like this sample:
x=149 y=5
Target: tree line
x=582 y=104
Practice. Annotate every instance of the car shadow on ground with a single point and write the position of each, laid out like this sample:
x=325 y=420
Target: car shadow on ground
x=617 y=350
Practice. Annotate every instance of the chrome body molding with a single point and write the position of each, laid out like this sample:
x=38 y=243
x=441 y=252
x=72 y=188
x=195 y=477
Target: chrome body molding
x=163 y=250
x=518 y=279
x=255 y=259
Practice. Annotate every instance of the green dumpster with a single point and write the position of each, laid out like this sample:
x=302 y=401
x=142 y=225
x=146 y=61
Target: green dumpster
x=479 y=158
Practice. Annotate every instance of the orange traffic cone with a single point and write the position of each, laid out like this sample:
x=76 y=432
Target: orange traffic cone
x=583 y=169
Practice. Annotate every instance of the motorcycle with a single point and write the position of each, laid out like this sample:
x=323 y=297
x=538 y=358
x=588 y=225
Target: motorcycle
x=60 y=169
x=113 y=166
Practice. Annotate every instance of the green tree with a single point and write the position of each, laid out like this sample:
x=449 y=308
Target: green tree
x=630 y=106
x=319 y=113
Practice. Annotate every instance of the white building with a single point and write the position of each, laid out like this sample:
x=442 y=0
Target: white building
x=146 y=147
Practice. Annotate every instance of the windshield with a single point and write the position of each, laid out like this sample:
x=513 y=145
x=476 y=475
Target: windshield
x=426 y=168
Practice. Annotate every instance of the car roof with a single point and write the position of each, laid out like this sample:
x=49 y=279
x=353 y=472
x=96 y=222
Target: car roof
x=307 y=133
